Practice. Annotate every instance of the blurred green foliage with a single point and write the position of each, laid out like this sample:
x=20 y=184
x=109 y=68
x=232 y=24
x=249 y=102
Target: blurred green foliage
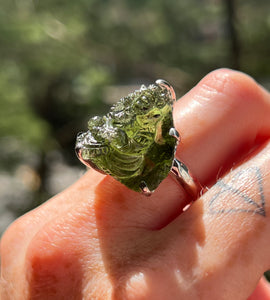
x=59 y=57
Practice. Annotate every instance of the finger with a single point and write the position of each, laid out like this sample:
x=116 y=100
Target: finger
x=224 y=237
x=219 y=121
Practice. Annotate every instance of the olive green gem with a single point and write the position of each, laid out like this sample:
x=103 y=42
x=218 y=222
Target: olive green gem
x=132 y=142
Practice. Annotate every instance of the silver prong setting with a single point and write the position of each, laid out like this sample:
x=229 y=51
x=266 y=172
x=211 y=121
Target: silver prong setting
x=173 y=132
x=182 y=174
x=144 y=189
x=166 y=85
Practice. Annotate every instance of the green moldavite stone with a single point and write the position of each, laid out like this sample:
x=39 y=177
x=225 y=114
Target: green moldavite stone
x=132 y=142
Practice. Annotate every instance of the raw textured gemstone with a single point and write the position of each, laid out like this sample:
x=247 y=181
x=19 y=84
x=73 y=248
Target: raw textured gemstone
x=132 y=142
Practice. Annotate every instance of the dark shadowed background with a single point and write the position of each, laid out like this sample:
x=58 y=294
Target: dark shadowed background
x=62 y=62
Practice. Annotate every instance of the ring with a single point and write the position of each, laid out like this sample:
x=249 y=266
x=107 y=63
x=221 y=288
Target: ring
x=136 y=141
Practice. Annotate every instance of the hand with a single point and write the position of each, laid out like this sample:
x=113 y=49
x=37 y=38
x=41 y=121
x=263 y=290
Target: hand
x=99 y=240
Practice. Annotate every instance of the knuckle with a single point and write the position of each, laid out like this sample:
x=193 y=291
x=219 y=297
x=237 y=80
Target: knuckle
x=13 y=243
x=14 y=235
x=53 y=266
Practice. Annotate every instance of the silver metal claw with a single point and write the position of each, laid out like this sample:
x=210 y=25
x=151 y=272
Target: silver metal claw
x=182 y=174
x=145 y=190
x=173 y=132
x=166 y=85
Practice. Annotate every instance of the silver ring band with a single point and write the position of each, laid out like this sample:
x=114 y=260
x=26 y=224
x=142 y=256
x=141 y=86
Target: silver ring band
x=183 y=176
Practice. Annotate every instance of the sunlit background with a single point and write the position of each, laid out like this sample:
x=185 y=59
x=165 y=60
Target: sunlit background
x=65 y=61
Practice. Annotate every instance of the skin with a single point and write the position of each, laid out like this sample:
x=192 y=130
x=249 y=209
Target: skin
x=99 y=240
